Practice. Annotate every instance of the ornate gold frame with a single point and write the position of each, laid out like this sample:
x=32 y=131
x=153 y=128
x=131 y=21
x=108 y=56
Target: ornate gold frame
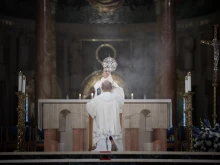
x=106 y=6
x=105 y=45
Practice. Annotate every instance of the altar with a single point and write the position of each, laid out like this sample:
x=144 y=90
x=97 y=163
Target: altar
x=68 y=127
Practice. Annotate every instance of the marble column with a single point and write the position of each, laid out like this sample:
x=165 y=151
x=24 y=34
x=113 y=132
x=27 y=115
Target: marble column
x=131 y=139
x=50 y=140
x=157 y=46
x=78 y=139
x=159 y=139
x=166 y=76
x=54 y=58
x=43 y=52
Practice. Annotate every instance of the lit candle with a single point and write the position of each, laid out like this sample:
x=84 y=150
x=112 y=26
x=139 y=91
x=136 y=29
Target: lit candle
x=186 y=84
x=19 y=81
x=23 y=84
x=189 y=82
x=132 y=96
x=91 y=95
x=80 y=96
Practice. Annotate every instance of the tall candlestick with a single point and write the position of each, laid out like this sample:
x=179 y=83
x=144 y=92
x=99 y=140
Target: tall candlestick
x=23 y=84
x=186 y=84
x=189 y=82
x=132 y=96
x=91 y=95
x=80 y=96
x=19 y=81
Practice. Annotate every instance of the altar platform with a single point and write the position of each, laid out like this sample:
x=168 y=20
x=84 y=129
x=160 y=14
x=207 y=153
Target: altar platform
x=109 y=158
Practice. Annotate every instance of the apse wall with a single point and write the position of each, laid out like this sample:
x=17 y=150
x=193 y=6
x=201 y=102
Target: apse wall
x=77 y=55
x=135 y=45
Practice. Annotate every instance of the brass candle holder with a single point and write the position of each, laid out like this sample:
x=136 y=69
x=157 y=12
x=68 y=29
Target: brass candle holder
x=21 y=122
x=185 y=111
x=189 y=125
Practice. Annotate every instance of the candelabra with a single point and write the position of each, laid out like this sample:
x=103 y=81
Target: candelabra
x=21 y=122
x=189 y=125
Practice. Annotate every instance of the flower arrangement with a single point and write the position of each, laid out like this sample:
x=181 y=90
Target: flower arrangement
x=206 y=138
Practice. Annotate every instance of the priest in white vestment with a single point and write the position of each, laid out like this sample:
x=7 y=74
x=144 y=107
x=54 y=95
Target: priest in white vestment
x=105 y=110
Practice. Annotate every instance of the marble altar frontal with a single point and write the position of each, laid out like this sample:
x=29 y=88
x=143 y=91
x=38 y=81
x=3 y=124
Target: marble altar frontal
x=142 y=120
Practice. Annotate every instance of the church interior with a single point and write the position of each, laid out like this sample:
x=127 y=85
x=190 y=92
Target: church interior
x=167 y=53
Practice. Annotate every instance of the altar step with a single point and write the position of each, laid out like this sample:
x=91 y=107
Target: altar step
x=90 y=158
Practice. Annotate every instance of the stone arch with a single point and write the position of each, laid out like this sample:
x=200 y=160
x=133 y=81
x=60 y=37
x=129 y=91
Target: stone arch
x=143 y=119
x=65 y=131
x=145 y=130
x=62 y=119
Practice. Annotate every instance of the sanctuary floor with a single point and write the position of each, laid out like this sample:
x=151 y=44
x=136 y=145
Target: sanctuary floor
x=134 y=157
